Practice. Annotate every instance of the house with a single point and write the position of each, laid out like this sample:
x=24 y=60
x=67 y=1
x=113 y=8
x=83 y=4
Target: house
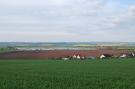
x=133 y=54
x=65 y=59
x=127 y=55
x=78 y=57
x=123 y=56
x=105 y=56
x=74 y=56
x=102 y=56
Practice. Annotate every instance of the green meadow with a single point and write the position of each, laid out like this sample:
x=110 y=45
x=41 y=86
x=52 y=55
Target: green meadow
x=49 y=74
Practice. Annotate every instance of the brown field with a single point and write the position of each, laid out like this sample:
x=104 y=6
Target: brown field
x=58 y=54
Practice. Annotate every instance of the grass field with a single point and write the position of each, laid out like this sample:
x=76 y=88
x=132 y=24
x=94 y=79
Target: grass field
x=91 y=74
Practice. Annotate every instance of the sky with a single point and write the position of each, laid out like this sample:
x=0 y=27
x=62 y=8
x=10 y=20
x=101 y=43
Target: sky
x=67 y=20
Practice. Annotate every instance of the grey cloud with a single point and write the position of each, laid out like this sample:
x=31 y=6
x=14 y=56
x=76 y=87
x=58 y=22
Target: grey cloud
x=55 y=20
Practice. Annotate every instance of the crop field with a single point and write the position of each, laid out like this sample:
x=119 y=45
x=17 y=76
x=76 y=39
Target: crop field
x=56 y=74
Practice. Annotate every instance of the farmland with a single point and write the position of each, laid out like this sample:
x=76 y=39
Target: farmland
x=10 y=46
x=75 y=74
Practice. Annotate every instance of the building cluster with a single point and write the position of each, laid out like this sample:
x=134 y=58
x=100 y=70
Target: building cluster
x=103 y=56
x=124 y=55
x=76 y=56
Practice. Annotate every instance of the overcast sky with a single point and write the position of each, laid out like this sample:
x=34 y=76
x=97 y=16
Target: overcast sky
x=67 y=20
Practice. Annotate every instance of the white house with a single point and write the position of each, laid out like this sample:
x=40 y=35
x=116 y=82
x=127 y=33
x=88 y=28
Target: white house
x=123 y=56
x=65 y=58
x=78 y=57
x=74 y=56
x=102 y=56
x=133 y=54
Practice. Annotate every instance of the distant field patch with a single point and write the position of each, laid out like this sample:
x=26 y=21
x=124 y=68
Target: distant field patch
x=49 y=74
x=83 y=45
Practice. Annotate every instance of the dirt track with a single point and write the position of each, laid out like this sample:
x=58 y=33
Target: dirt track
x=56 y=54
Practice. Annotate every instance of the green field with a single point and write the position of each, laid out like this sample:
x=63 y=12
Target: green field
x=91 y=74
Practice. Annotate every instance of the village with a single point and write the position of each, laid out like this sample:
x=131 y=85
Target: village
x=103 y=56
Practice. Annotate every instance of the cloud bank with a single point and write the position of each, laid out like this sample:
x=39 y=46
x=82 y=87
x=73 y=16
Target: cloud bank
x=67 y=20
